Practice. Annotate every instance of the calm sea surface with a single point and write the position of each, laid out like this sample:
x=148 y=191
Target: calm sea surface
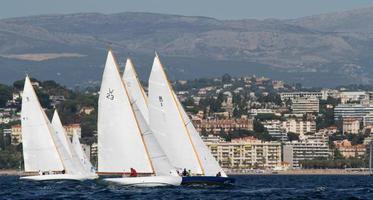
x=246 y=187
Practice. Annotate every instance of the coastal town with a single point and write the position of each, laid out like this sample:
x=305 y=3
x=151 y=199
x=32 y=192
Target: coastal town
x=250 y=124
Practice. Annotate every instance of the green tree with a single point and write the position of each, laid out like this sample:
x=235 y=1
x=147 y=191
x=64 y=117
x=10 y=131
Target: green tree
x=5 y=94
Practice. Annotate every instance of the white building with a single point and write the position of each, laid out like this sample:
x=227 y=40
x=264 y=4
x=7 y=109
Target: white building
x=299 y=126
x=351 y=125
x=305 y=105
x=368 y=119
x=246 y=153
x=357 y=111
x=296 y=151
x=354 y=96
x=275 y=129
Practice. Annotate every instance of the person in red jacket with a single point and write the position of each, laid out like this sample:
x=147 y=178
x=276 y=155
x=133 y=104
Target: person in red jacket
x=133 y=173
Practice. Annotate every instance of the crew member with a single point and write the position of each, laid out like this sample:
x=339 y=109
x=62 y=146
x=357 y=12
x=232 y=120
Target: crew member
x=133 y=173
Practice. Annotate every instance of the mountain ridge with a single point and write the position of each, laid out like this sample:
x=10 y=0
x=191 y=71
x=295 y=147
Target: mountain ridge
x=305 y=50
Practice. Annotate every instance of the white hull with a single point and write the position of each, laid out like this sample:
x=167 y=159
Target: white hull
x=60 y=177
x=148 y=181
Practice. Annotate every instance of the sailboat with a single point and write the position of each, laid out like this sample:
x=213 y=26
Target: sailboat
x=177 y=135
x=80 y=162
x=82 y=157
x=124 y=139
x=43 y=150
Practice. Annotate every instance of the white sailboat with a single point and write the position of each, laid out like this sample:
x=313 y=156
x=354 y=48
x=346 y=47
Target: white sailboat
x=81 y=165
x=124 y=141
x=175 y=132
x=43 y=151
x=77 y=147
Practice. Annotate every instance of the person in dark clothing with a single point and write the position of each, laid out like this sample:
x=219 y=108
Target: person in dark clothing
x=218 y=174
x=63 y=171
x=133 y=173
x=185 y=173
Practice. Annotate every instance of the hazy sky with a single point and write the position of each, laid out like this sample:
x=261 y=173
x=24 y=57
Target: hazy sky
x=223 y=9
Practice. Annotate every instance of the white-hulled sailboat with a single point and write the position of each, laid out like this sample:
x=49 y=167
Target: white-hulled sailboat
x=77 y=148
x=177 y=135
x=124 y=139
x=43 y=151
x=81 y=164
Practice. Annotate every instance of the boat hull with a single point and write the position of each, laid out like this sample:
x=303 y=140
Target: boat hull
x=147 y=181
x=207 y=180
x=60 y=177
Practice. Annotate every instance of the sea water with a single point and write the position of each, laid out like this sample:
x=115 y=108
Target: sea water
x=246 y=187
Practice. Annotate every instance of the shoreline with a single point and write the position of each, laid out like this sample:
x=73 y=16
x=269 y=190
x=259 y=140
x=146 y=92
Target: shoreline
x=307 y=172
x=14 y=172
x=10 y=172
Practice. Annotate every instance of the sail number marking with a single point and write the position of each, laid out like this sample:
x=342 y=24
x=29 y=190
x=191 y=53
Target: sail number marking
x=110 y=94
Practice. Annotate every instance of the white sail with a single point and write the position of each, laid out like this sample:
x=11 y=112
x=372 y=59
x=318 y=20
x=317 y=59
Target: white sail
x=135 y=90
x=208 y=161
x=167 y=122
x=67 y=153
x=39 y=149
x=120 y=145
x=64 y=148
x=60 y=132
x=77 y=147
x=161 y=163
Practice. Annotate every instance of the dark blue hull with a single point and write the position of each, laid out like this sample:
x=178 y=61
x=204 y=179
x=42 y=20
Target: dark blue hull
x=207 y=180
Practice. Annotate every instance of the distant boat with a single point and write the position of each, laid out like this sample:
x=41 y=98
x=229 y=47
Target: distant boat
x=77 y=147
x=124 y=139
x=176 y=133
x=74 y=148
x=44 y=151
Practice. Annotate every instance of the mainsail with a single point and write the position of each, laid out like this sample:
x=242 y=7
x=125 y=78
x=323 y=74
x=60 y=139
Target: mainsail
x=64 y=147
x=120 y=145
x=39 y=149
x=60 y=132
x=168 y=124
x=159 y=106
x=135 y=90
x=208 y=161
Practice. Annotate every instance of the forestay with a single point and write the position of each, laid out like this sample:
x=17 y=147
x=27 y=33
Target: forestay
x=167 y=122
x=39 y=149
x=120 y=145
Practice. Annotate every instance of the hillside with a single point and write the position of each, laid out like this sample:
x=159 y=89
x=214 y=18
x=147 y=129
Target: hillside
x=323 y=50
